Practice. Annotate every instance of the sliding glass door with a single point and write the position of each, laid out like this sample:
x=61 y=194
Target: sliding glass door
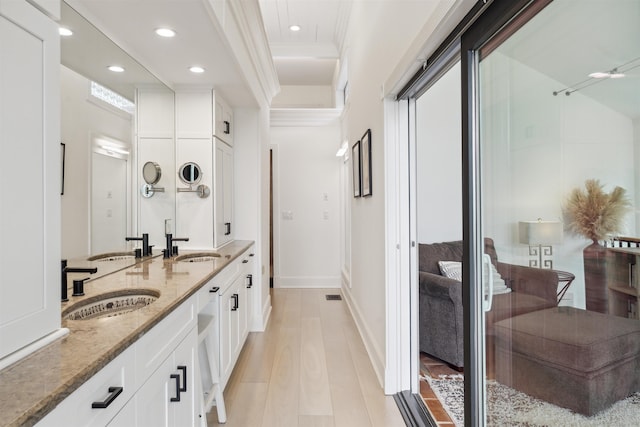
x=551 y=146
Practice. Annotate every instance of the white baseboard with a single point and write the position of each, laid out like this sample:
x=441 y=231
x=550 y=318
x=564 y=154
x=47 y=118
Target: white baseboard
x=377 y=360
x=307 y=282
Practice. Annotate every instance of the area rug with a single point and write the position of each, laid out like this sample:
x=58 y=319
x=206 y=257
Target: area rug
x=508 y=407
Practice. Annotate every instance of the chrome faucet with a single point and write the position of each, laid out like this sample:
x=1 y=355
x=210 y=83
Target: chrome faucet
x=146 y=249
x=77 y=284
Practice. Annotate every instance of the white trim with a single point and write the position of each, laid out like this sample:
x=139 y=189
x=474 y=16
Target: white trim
x=307 y=282
x=377 y=359
x=304 y=116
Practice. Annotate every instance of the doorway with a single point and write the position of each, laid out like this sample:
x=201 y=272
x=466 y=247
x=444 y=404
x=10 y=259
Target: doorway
x=110 y=195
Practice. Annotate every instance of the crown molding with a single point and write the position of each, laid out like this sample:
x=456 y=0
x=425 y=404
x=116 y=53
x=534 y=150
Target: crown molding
x=305 y=117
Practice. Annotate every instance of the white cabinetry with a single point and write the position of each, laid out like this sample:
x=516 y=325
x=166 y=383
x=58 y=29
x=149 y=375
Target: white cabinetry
x=98 y=400
x=223 y=194
x=168 y=398
x=223 y=121
x=141 y=386
x=204 y=137
x=30 y=207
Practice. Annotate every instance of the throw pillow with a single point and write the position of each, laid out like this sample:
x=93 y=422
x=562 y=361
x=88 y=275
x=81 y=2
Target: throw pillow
x=451 y=269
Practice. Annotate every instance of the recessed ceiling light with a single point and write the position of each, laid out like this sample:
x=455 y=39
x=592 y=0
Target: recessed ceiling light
x=65 y=32
x=599 y=75
x=294 y=27
x=115 y=68
x=196 y=69
x=165 y=32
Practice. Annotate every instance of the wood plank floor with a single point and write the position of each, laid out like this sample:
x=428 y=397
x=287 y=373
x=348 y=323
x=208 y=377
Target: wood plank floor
x=308 y=369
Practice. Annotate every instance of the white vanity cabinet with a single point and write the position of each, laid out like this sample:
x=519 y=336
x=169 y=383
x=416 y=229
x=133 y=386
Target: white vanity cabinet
x=168 y=398
x=156 y=376
x=30 y=207
x=223 y=121
x=204 y=136
x=98 y=400
x=223 y=194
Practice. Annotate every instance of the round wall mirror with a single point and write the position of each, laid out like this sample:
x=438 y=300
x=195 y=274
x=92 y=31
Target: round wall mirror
x=190 y=173
x=151 y=173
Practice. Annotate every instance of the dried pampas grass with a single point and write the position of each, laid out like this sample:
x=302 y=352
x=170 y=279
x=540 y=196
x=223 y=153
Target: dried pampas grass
x=594 y=213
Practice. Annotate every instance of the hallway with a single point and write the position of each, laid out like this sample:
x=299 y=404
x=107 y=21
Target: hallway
x=309 y=368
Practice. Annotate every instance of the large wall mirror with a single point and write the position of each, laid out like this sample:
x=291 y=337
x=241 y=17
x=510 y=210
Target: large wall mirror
x=100 y=205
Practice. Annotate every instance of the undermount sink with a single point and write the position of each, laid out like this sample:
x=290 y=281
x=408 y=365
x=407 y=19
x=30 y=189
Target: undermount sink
x=111 y=304
x=198 y=257
x=113 y=256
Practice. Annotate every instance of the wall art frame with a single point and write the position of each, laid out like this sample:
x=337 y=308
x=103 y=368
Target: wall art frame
x=357 y=173
x=366 y=172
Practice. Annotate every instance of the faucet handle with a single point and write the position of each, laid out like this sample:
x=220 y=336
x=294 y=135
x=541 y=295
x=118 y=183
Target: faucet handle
x=78 y=287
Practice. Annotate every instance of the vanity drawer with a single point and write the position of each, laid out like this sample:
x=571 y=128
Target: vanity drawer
x=154 y=347
x=112 y=387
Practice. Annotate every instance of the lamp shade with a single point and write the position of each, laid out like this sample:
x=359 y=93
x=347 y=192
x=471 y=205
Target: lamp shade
x=540 y=232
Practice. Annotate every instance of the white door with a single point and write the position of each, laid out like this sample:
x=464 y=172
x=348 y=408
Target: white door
x=109 y=197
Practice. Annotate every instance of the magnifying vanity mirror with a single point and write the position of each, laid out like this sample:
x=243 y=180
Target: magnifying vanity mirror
x=98 y=211
x=190 y=173
x=151 y=173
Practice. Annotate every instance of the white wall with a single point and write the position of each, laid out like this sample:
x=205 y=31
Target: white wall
x=80 y=120
x=306 y=206
x=537 y=149
x=372 y=56
x=439 y=160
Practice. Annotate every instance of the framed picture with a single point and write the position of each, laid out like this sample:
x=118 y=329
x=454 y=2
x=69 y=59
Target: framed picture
x=366 y=163
x=63 y=149
x=355 y=156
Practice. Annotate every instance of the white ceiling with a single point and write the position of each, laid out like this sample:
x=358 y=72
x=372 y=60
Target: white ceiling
x=308 y=56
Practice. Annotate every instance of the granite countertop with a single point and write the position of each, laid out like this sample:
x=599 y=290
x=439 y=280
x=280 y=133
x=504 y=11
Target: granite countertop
x=32 y=387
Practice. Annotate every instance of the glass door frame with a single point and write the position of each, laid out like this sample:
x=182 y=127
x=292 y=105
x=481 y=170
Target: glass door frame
x=496 y=24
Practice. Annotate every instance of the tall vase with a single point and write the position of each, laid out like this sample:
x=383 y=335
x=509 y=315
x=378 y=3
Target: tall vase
x=595 y=277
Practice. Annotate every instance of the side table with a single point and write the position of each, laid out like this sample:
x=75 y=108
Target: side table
x=566 y=278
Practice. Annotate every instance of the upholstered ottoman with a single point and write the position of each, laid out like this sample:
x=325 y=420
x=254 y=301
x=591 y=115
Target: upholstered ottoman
x=577 y=359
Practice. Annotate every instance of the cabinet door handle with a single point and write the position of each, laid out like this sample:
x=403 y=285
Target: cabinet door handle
x=177 y=378
x=184 y=377
x=249 y=280
x=227 y=126
x=234 y=297
x=227 y=227
x=244 y=261
x=214 y=289
x=114 y=392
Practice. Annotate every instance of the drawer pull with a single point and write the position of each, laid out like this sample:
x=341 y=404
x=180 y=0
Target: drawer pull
x=235 y=302
x=214 y=289
x=184 y=377
x=177 y=378
x=227 y=227
x=249 y=280
x=114 y=392
x=244 y=261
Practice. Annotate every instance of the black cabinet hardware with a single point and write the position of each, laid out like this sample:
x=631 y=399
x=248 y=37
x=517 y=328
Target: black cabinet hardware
x=184 y=377
x=235 y=298
x=227 y=228
x=249 y=280
x=177 y=378
x=244 y=261
x=227 y=127
x=251 y=254
x=214 y=289
x=114 y=392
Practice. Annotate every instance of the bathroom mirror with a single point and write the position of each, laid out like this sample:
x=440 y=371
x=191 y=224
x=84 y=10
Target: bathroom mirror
x=190 y=173
x=151 y=172
x=94 y=205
